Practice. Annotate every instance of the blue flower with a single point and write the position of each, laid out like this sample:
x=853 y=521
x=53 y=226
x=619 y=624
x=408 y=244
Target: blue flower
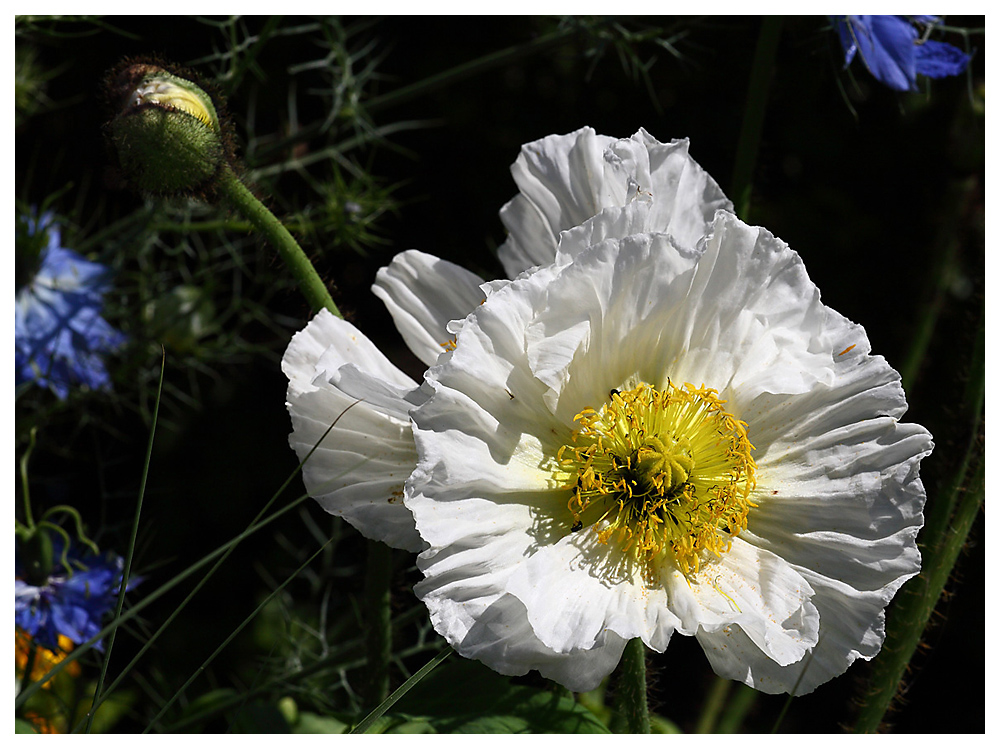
x=893 y=51
x=66 y=603
x=59 y=335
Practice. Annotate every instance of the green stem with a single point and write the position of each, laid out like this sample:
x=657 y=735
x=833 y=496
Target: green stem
x=714 y=701
x=630 y=692
x=378 y=637
x=929 y=311
x=739 y=705
x=127 y=570
x=223 y=554
x=311 y=285
x=29 y=520
x=914 y=607
x=949 y=517
x=406 y=686
x=469 y=69
x=753 y=117
x=938 y=512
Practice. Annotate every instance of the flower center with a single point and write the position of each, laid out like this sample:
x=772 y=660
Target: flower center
x=666 y=474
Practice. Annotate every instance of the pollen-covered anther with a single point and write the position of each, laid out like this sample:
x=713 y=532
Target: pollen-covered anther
x=665 y=474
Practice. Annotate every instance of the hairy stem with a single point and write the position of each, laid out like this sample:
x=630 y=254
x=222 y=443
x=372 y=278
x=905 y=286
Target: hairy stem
x=244 y=201
x=630 y=693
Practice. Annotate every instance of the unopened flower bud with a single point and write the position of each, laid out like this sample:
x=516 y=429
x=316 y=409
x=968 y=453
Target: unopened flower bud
x=166 y=131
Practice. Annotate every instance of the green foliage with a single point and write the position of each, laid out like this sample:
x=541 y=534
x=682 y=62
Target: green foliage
x=224 y=707
x=464 y=696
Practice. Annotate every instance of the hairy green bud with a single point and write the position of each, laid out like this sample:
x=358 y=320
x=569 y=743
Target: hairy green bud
x=166 y=131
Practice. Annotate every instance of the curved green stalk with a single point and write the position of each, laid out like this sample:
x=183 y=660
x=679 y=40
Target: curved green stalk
x=239 y=196
x=28 y=517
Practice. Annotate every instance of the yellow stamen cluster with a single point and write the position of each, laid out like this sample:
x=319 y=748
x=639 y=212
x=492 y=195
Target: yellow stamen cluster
x=662 y=473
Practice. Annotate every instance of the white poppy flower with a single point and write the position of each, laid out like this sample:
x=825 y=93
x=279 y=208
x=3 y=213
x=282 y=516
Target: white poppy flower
x=646 y=439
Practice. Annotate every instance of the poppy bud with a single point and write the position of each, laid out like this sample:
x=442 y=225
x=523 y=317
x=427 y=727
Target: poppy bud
x=166 y=131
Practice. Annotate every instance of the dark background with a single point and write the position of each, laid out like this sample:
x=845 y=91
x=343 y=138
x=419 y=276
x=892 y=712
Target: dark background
x=860 y=180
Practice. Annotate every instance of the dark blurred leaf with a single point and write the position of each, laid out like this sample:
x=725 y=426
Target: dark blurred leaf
x=313 y=723
x=259 y=717
x=467 y=697
x=23 y=726
x=111 y=710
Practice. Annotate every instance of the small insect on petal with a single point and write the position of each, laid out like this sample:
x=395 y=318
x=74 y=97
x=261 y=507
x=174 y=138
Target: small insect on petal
x=847 y=349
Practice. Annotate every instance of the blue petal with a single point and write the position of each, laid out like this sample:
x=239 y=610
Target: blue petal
x=888 y=51
x=59 y=335
x=846 y=34
x=940 y=59
x=72 y=605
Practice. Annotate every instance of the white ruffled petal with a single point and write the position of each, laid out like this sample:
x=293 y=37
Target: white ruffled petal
x=852 y=626
x=527 y=244
x=752 y=306
x=561 y=181
x=611 y=318
x=683 y=197
x=476 y=546
x=423 y=294
x=566 y=179
x=844 y=507
x=764 y=596
x=325 y=345
x=358 y=467
x=575 y=589
x=501 y=638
